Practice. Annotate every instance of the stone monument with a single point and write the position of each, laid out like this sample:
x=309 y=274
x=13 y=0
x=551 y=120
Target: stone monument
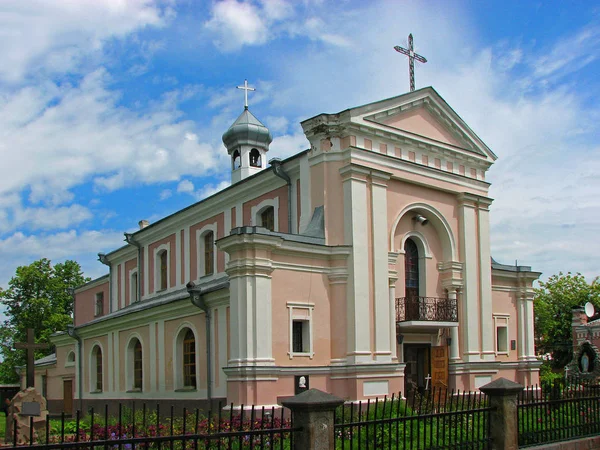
x=28 y=410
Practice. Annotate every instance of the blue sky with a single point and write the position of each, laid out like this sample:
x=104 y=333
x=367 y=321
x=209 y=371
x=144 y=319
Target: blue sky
x=113 y=111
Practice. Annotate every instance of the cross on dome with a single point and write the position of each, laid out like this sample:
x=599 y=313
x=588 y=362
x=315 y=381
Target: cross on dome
x=246 y=89
x=411 y=59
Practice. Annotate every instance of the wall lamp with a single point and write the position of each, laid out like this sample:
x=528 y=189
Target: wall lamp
x=421 y=219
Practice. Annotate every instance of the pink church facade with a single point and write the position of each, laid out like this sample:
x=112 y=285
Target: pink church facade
x=361 y=265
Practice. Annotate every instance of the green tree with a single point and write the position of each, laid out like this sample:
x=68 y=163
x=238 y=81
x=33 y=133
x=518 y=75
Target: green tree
x=38 y=297
x=554 y=301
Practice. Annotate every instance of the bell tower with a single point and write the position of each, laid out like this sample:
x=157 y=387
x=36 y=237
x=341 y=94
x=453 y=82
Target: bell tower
x=247 y=141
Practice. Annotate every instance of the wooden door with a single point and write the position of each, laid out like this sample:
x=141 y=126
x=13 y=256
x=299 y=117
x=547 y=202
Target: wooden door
x=439 y=367
x=68 y=396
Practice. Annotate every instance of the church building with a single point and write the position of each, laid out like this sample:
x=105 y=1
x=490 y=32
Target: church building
x=360 y=266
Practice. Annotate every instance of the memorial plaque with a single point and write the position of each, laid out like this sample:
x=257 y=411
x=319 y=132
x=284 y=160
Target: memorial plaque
x=31 y=409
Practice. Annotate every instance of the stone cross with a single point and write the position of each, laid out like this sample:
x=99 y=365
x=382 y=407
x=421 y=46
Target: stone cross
x=427 y=380
x=245 y=88
x=411 y=59
x=30 y=346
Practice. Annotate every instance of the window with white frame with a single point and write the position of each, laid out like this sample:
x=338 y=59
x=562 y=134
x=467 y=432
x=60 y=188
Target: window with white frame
x=70 y=361
x=207 y=250
x=266 y=213
x=133 y=286
x=185 y=367
x=161 y=268
x=99 y=304
x=300 y=326
x=501 y=326
x=96 y=369
x=135 y=363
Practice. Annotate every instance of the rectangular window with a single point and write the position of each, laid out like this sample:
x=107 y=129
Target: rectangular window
x=300 y=336
x=501 y=325
x=267 y=218
x=502 y=339
x=99 y=304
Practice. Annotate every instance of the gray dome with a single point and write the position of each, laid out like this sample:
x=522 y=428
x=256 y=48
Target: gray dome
x=247 y=130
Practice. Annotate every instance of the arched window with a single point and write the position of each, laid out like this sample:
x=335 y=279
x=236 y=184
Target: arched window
x=255 y=160
x=411 y=269
x=133 y=287
x=163 y=267
x=267 y=218
x=189 y=359
x=70 y=361
x=236 y=160
x=209 y=260
x=96 y=369
x=138 y=367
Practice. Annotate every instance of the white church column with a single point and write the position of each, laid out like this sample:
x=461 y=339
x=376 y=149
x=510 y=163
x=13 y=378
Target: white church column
x=355 y=234
x=383 y=327
x=469 y=307
x=454 y=345
x=485 y=279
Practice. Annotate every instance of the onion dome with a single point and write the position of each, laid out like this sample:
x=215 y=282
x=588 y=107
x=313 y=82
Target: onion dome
x=247 y=130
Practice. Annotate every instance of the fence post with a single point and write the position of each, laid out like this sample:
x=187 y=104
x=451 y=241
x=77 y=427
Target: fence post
x=504 y=427
x=314 y=412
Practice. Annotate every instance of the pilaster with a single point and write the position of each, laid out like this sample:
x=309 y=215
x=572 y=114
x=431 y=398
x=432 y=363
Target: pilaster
x=392 y=278
x=485 y=279
x=469 y=319
x=383 y=329
x=355 y=234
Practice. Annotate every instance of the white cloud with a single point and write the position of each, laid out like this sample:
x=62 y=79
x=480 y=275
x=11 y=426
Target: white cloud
x=58 y=36
x=165 y=194
x=185 y=186
x=46 y=218
x=236 y=24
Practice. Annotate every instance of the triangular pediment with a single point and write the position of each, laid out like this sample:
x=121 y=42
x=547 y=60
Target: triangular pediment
x=423 y=114
x=421 y=122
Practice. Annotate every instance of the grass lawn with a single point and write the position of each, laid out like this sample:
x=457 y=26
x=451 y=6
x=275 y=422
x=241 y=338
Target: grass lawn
x=2 y=427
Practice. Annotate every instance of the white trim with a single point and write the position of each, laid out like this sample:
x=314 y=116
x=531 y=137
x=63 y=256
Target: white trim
x=146 y=271
x=129 y=362
x=257 y=210
x=178 y=356
x=152 y=353
x=157 y=278
x=201 y=270
x=161 y=387
x=309 y=307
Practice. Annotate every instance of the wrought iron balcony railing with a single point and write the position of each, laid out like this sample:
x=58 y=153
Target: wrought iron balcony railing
x=426 y=309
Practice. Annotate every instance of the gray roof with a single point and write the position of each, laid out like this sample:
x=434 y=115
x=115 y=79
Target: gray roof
x=50 y=359
x=248 y=130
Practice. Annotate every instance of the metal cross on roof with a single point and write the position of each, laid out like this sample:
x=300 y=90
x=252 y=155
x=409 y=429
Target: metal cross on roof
x=411 y=59
x=246 y=89
x=30 y=346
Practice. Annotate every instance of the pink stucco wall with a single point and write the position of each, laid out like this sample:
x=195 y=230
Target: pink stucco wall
x=85 y=302
x=420 y=121
x=219 y=220
x=151 y=262
x=282 y=193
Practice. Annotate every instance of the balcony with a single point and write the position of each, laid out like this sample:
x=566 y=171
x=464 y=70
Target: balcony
x=426 y=312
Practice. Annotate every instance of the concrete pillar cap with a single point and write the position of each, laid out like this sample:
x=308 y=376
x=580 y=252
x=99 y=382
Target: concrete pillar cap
x=313 y=399
x=501 y=386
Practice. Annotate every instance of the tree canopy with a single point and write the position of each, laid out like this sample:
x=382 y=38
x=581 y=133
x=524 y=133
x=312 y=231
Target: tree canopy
x=554 y=301
x=38 y=297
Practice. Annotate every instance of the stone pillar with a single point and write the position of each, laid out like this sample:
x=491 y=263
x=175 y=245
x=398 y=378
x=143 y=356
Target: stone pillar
x=469 y=311
x=358 y=315
x=314 y=412
x=504 y=429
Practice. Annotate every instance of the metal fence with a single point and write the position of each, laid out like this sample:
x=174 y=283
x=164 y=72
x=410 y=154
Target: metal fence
x=426 y=309
x=253 y=428
x=558 y=413
x=439 y=419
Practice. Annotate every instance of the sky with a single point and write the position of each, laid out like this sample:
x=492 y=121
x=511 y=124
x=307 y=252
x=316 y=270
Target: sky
x=112 y=111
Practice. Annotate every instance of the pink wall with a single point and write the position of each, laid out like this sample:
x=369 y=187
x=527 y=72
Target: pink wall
x=420 y=121
x=129 y=265
x=85 y=303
